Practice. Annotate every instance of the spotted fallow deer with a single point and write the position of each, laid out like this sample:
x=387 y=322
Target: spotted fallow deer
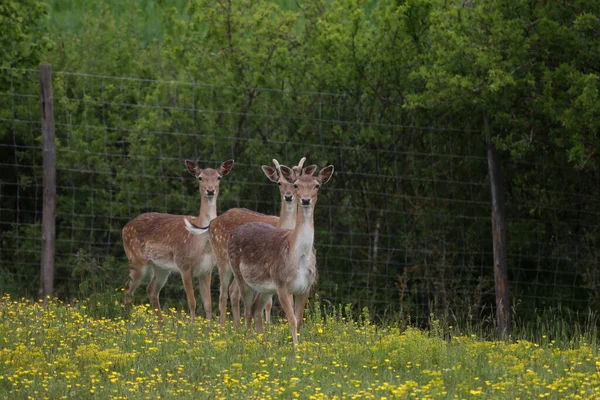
x=269 y=260
x=225 y=224
x=160 y=241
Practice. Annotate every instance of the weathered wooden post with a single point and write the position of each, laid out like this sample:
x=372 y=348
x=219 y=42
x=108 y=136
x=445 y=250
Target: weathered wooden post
x=49 y=163
x=498 y=235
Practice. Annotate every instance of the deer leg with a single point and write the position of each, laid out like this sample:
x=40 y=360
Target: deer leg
x=188 y=285
x=157 y=282
x=258 y=305
x=136 y=273
x=205 y=294
x=268 y=308
x=246 y=293
x=224 y=280
x=235 y=296
x=287 y=303
x=300 y=306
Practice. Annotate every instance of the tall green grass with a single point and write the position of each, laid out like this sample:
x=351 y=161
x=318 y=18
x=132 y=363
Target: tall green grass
x=104 y=298
x=141 y=17
x=62 y=351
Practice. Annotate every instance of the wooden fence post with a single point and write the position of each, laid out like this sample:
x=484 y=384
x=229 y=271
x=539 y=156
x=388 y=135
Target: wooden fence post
x=49 y=163
x=498 y=235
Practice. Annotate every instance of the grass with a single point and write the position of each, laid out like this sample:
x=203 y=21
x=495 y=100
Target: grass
x=61 y=351
x=141 y=17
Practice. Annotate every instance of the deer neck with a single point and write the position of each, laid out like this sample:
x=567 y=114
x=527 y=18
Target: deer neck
x=287 y=216
x=208 y=210
x=304 y=231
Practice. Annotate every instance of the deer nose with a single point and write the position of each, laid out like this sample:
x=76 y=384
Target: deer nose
x=210 y=192
x=288 y=197
x=306 y=202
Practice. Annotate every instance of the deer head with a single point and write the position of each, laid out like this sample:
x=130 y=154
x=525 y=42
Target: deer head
x=209 y=178
x=286 y=188
x=306 y=186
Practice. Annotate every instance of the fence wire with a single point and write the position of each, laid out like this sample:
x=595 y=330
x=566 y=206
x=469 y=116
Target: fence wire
x=403 y=227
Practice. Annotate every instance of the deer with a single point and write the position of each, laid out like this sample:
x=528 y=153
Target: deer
x=271 y=260
x=160 y=242
x=223 y=226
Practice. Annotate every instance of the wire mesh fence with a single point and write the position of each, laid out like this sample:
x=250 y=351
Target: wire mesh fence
x=403 y=227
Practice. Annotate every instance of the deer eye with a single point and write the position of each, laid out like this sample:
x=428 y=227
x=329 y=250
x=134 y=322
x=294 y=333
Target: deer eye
x=219 y=178
x=278 y=183
x=200 y=179
x=317 y=187
x=295 y=186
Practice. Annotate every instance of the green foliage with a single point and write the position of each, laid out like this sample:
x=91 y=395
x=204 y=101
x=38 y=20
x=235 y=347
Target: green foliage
x=532 y=68
x=23 y=38
x=140 y=18
x=393 y=93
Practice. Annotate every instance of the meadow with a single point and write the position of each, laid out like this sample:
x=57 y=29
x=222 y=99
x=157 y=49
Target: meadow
x=60 y=350
x=398 y=90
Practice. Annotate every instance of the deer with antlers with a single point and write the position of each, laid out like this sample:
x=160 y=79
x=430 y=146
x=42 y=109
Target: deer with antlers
x=222 y=227
x=161 y=242
x=269 y=260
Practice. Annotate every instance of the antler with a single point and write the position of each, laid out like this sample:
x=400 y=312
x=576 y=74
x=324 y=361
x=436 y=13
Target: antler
x=277 y=165
x=301 y=163
x=298 y=168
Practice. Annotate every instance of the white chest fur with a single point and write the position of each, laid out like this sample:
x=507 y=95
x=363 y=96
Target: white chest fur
x=304 y=261
x=303 y=278
x=304 y=242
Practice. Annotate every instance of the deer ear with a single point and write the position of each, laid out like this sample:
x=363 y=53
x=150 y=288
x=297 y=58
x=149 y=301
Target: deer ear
x=309 y=170
x=325 y=174
x=192 y=168
x=225 y=167
x=288 y=174
x=271 y=173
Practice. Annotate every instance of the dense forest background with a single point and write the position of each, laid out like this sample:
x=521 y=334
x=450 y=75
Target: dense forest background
x=393 y=93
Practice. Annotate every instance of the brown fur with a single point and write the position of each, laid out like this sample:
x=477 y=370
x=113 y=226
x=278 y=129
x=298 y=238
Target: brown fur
x=225 y=224
x=267 y=260
x=161 y=242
